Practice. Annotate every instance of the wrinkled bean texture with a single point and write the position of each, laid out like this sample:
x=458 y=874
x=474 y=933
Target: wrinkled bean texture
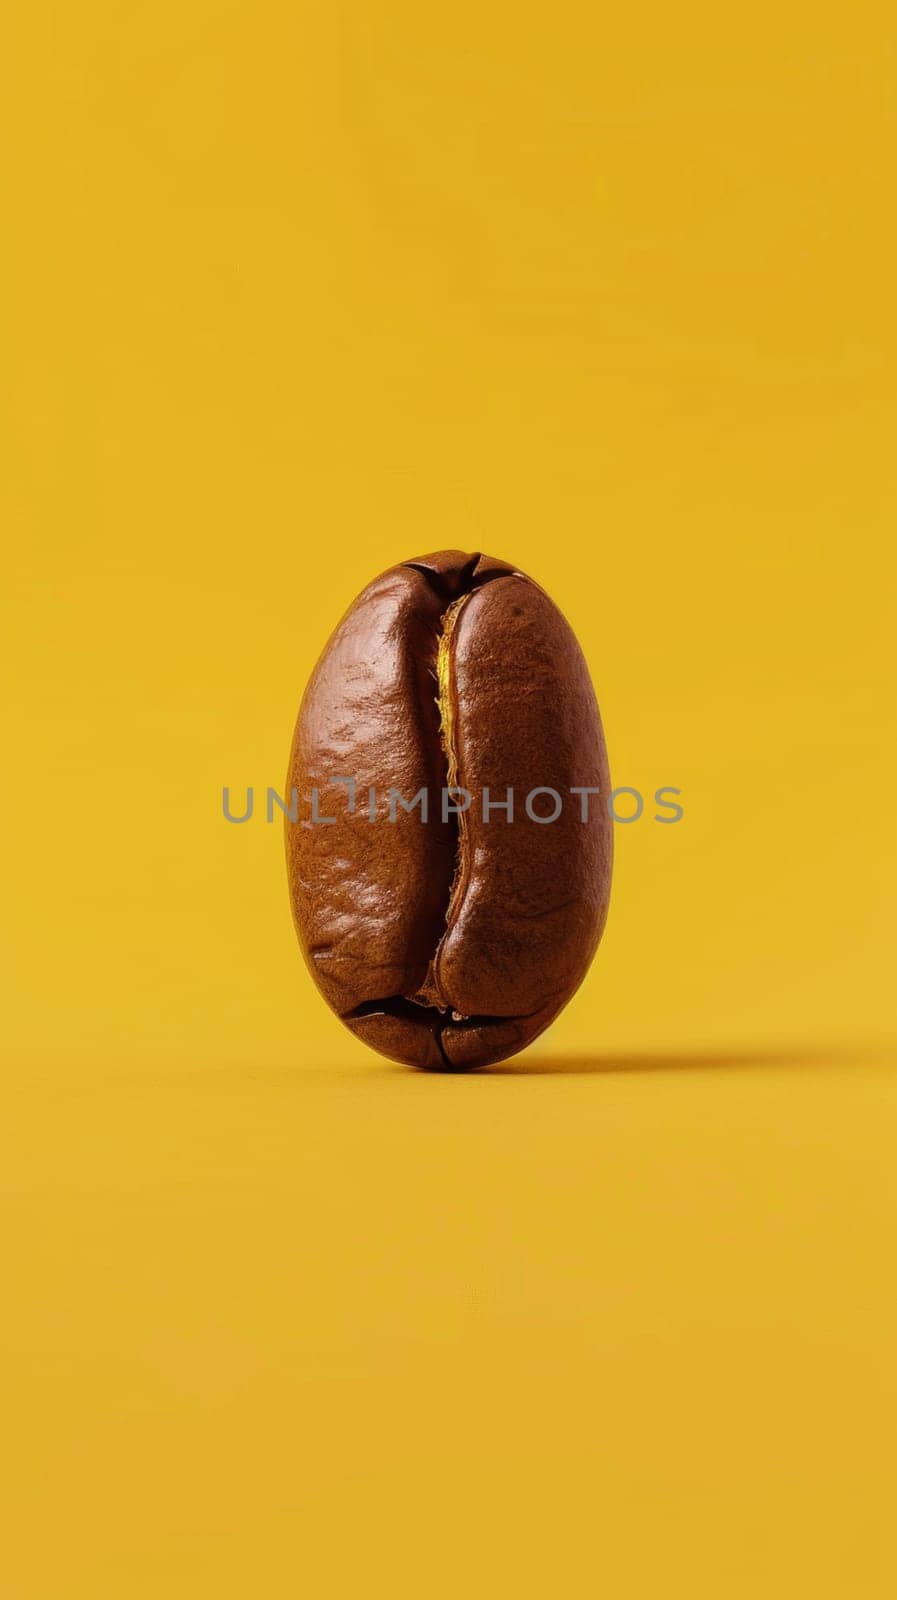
x=451 y=942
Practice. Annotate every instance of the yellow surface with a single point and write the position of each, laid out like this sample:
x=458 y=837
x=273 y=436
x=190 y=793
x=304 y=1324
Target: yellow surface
x=291 y=292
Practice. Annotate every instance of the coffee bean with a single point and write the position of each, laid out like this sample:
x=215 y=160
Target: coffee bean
x=448 y=934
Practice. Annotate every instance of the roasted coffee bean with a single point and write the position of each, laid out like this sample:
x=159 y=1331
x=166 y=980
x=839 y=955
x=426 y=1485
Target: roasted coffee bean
x=449 y=937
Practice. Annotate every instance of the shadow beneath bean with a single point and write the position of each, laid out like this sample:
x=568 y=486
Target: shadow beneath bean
x=700 y=1060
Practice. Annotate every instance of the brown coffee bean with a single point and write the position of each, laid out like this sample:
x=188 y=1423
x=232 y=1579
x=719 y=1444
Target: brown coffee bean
x=443 y=938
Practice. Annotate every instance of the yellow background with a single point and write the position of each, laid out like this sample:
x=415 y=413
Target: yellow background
x=291 y=292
